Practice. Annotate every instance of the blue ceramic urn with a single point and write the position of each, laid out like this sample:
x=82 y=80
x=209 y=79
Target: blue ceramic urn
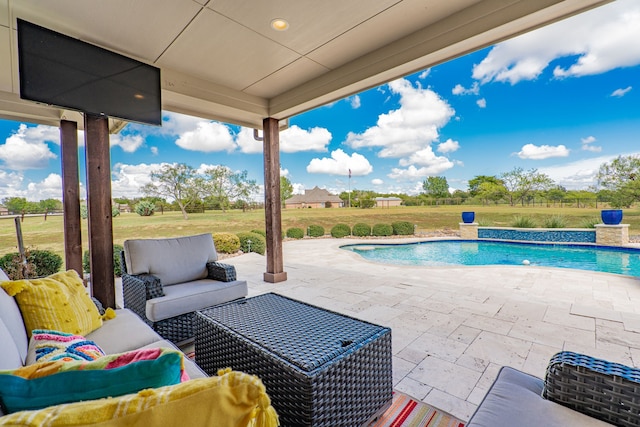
x=611 y=216
x=468 y=217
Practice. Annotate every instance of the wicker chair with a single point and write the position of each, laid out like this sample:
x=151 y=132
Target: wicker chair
x=577 y=390
x=159 y=290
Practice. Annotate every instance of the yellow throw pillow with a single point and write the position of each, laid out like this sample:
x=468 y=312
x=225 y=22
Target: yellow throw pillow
x=233 y=399
x=59 y=302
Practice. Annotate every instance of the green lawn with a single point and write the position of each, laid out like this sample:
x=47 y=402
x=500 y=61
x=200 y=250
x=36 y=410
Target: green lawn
x=48 y=234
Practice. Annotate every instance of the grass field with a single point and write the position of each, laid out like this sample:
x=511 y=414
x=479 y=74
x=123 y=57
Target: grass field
x=41 y=234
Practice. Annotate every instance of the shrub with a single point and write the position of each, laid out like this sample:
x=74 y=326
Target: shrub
x=523 y=222
x=84 y=211
x=555 y=221
x=382 y=230
x=315 y=231
x=295 y=233
x=340 y=230
x=361 y=230
x=252 y=242
x=260 y=232
x=484 y=223
x=145 y=208
x=117 y=265
x=590 y=222
x=226 y=243
x=114 y=212
x=402 y=228
x=40 y=263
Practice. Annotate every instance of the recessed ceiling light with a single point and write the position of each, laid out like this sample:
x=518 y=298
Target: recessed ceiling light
x=279 y=24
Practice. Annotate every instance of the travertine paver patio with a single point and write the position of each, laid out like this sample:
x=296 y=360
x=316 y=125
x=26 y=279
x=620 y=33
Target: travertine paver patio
x=454 y=327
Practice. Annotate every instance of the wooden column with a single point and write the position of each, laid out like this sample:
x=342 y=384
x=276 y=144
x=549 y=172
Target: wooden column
x=71 y=196
x=98 y=161
x=272 y=205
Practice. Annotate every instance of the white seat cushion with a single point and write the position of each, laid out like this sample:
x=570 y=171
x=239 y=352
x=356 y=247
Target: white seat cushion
x=126 y=332
x=172 y=260
x=191 y=296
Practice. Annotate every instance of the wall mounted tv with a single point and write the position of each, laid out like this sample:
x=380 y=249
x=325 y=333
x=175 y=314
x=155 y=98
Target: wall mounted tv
x=59 y=70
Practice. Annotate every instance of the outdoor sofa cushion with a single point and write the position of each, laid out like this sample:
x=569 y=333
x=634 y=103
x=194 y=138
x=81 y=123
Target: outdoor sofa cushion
x=515 y=399
x=172 y=260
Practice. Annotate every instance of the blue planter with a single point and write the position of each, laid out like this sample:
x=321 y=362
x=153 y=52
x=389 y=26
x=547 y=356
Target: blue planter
x=468 y=217
x=611 y=216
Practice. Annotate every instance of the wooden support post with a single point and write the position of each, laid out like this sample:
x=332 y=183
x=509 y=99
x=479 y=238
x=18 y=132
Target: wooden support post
x=71 y=196
x=98 y=161
x=272 y=205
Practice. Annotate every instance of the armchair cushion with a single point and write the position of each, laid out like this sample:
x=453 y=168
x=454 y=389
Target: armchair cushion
x=172 y=260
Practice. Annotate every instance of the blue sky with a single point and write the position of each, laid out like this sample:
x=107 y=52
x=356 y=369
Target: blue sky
x=562 y=99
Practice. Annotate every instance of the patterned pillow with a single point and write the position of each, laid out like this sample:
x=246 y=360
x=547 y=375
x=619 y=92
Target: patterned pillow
x=58 y=302
x=55 y=345
x=232 y=399
x=45 y=384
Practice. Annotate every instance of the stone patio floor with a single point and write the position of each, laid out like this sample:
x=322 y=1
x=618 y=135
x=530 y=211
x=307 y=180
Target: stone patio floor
x=454 y=327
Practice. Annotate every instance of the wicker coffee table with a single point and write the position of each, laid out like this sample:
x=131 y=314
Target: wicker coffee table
x=320 y=368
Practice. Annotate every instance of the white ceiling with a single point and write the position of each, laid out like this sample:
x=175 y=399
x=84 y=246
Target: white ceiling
x=221 y=60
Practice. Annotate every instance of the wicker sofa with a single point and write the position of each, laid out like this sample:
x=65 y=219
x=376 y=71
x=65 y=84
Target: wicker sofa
x=578 y=390
x=165 y=281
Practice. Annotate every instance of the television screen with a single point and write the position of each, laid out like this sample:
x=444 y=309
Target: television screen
x=66 y=72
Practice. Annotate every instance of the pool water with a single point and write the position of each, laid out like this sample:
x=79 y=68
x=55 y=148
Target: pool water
x=472 y=252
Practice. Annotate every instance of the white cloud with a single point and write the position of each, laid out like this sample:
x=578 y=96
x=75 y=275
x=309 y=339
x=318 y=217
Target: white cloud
x=430 y=162
x=423 y=75
x=207 y=137
x=577 y=175
x=127 y=180
x=411 y=127
x=587 y=144
x=247 y=143
x=619 y=93
x=482 y=103
x=297 y=188
x=48 y=188
x=600 y=40
x=295 y=139
x=449 y=146
x=154 y=151
x=377 y=181
x=355 y=102
x=26 y=149
x=284 y=172
x=128 y=143
x=539 y=152
x=11 y=184
x=461 y=90
x=412 y=173
x=340 y=163
x=177 y=124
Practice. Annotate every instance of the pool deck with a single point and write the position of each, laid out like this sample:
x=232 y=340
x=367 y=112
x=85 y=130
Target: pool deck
x=454 y=327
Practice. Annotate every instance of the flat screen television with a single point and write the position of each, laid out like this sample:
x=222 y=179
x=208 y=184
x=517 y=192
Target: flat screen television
x=59 y=70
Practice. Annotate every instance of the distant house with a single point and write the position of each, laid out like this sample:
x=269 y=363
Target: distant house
x=314 y=198
x=4 y=211
x=387 y=202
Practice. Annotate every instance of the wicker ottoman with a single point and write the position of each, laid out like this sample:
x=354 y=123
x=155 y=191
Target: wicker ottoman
x=320 y=368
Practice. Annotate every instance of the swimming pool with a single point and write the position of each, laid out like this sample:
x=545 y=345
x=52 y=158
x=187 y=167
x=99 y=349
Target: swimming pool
x=473 y=252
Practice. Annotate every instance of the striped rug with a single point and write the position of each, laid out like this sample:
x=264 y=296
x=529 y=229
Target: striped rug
x=408 y=412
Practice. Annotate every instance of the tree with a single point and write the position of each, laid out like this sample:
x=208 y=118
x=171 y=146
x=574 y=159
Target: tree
x=477 y=181
x=522 y=185
x=622 y=178
x=286 y=189
x=224 y=185
x=15 y=204
x=179 y=182
x=436 y=186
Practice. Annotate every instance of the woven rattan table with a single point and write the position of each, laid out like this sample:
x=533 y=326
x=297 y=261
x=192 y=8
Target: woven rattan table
x=320 y=368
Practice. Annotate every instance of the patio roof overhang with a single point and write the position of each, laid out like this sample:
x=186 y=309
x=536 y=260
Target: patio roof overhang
x=222 y=60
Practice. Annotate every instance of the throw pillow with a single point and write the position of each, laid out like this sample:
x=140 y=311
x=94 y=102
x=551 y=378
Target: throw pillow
x=45 y=384
x=58 y=302
x=55 y=345
x=232 y=399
